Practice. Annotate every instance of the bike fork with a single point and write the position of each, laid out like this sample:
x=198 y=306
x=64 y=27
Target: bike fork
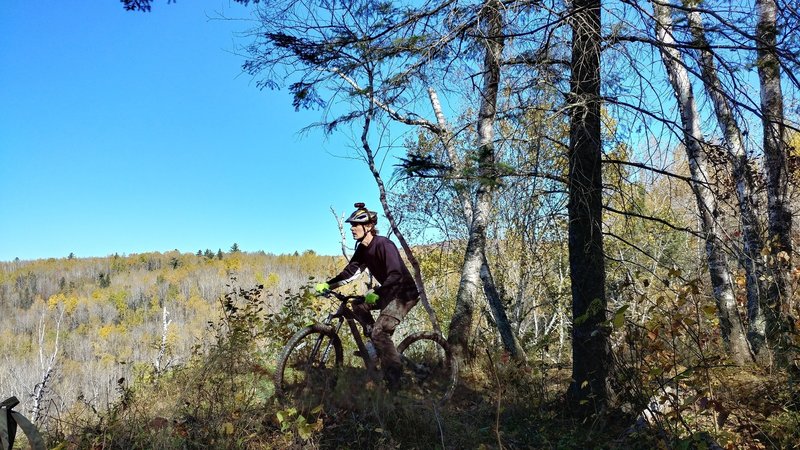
x=326 y=352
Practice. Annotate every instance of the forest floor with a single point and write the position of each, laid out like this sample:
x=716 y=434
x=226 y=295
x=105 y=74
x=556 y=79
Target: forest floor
x=494 y=409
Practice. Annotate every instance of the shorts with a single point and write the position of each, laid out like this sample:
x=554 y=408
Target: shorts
x=398 y=309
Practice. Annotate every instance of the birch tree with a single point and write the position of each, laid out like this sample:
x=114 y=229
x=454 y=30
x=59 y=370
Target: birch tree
x=375 y=56
x=465 y=300
x=722 y=283
x=779 y=217
x=744 y=179
x=469 y=288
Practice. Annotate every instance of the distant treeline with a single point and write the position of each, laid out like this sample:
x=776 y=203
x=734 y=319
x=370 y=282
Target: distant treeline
x=94 y=321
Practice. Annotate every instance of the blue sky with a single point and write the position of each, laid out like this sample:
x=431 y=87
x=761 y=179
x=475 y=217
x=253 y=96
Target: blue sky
x=124 y=132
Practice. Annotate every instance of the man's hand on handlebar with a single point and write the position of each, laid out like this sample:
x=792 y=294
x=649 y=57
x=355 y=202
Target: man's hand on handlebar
x=322 y=291
x=371 y=297
x=322 y=288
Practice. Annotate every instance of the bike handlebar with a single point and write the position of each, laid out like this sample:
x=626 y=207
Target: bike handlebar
x=341 y=297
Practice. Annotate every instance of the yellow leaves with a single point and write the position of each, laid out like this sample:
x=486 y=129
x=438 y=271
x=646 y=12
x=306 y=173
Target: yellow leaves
x=782 y=258
x=272 y=281
x=710 y=310
x=269 y=282
x=120 y=300
x=305 y=429
x=794 y=152
x=155 y=304
x=232 y=264
x=106 y=331
x=284 y=415
x=54 y=300
x=200 y=306
x=226 y=429
x=69 y=303
x=290 y=418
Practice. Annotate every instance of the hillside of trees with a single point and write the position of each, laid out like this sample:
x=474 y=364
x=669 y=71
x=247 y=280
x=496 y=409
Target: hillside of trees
x=74 y=326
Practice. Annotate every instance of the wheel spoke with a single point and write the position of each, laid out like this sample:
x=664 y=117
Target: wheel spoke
x=308 y=365
x=428 y=366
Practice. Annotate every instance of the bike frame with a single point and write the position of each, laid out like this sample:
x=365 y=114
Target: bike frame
x=419 y=366
x=344 y=313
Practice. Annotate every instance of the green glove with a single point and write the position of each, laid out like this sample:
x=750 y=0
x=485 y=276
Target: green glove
x=371 y=298
x=322 y=287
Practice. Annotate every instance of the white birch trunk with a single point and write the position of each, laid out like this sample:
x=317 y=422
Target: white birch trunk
x=47 y=365
x=162 y=348
x=730 y=324
x=474 y=258
x=507 y=335
x=340 y=223
x=779 y=217
x=752 y=238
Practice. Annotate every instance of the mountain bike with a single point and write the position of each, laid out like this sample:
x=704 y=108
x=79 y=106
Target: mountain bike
x=312 y=359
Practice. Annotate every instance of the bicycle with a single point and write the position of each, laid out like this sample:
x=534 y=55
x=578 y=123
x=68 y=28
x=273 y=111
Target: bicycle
x=313 y=357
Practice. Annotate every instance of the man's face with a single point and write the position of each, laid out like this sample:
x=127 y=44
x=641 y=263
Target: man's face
x=359 y=231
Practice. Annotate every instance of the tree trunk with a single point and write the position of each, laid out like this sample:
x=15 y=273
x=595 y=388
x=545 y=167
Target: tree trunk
x=591 y=354
x=423 y=296
x=743 y=177
x=340 y=222
x=507 y=335
x=779 y=217
x=730 y=323
x=474 y=257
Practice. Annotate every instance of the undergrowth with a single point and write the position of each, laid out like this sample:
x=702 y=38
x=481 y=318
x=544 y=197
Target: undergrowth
x=223 y=399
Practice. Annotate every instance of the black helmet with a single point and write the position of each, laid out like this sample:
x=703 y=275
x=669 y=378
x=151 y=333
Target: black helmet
x=362 y=215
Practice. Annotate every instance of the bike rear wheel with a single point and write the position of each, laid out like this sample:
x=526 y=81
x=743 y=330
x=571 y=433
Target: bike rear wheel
x=428 y=361
x=309 y=363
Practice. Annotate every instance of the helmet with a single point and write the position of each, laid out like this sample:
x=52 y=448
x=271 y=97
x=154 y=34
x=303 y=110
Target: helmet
x=362 y=215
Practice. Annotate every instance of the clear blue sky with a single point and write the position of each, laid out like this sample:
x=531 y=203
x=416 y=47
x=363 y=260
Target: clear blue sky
x=125 y=132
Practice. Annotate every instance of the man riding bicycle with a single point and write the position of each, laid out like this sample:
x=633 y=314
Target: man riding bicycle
x=395 y=296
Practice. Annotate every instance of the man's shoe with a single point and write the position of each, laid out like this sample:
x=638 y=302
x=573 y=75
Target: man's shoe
x=393 y=386
x=393 y=379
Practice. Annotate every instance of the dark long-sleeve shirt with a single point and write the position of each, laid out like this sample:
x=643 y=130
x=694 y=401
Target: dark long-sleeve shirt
x=383 y=260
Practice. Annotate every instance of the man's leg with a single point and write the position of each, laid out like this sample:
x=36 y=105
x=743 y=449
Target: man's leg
x=390 y=359
x=362 y=311
x=382 y=333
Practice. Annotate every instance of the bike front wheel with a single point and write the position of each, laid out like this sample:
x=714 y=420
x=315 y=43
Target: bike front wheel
x=309 y=363
x=427 y=359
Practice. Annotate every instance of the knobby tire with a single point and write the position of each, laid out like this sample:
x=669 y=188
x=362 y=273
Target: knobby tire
x=309 y=364
x=428 y=362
